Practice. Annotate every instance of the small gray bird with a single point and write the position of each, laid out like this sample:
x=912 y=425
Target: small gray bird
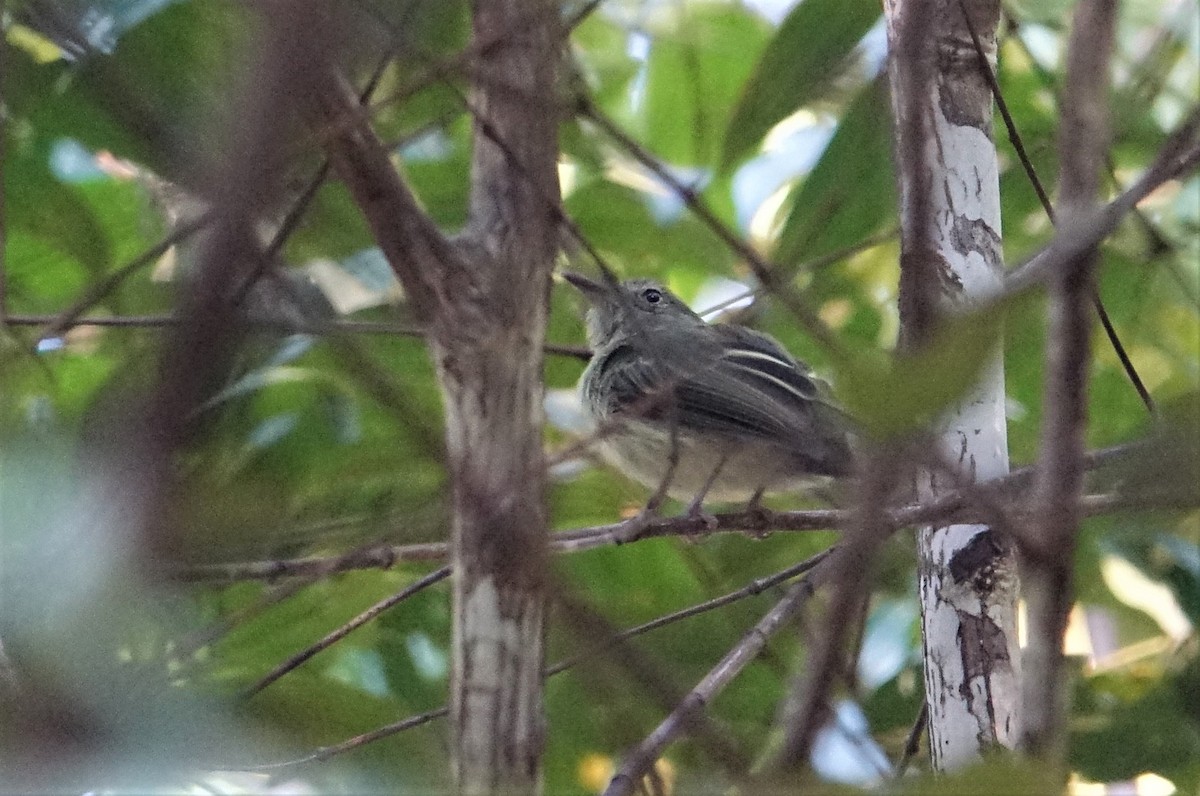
x=738 y=413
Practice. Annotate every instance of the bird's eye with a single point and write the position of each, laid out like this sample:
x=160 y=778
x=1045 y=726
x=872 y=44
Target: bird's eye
x=652 y=296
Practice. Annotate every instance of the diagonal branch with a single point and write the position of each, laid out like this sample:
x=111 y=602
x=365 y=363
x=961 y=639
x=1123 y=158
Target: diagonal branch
x=752 y=589
x=346 y=629
x=1018 y=145
x=1179 y=156
x=763 y=270
x=639 y=761
x=417 y=250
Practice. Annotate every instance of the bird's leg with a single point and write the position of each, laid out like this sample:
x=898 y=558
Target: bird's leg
x=695 y=508
x=632 y=529
x=757 y=515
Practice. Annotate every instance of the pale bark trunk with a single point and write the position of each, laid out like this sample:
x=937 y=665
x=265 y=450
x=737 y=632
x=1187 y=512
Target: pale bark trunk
x=488 y=351
x=484 y=299
x=951 y=260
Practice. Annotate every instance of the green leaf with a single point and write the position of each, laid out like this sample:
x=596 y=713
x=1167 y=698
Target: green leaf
x=810 y=49
x=1120 y=737
x=850 y=193
x=891 y=397
x=693 y=75
x=38 y=204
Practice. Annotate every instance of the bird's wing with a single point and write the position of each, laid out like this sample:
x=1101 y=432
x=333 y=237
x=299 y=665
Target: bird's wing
x=742 y=384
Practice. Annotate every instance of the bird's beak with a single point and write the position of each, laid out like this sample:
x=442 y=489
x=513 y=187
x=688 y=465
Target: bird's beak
x=592 y=290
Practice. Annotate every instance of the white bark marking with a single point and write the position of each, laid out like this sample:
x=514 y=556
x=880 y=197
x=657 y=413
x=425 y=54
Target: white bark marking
x=967 y=585
x=495 y=685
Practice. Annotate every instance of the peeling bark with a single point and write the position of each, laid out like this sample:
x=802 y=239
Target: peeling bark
x=951 y=260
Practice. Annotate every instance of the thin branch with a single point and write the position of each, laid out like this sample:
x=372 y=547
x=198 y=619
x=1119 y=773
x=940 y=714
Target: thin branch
x=295 y=214
x=326 y=752
x=912 y=744
x=642 y=758
x=1159 y=242
x=754 y=588
x=954 y=507
x=1059 y=481
x=187 y=647
x=337 y=635
x=100 y=290
x=659 y=685
x=1031 y=174
x=1179 y=156
x=763 y=270
x=313 y=327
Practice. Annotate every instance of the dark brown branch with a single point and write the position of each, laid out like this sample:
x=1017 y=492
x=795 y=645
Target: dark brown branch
x=955 y=507
x=1048 y=555
x=326 y=752
x=912 y=744
x=912 y=60
x=415 y=248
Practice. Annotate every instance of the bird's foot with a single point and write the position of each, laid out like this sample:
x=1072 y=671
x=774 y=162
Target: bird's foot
x=703 y=522
x=758 y=517
x=636 y=526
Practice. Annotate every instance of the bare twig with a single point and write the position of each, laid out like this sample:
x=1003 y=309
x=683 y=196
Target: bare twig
x=657 y=682
x=1048 y=554
x=755 y=587
x=958 y=506
x=912 y=744
x=312 y=326
x=326 y=752
x=337 y=635
x=1179 y=156
x=763 y=270
x=1014 y=138
x=100 y=290
x=642 y=758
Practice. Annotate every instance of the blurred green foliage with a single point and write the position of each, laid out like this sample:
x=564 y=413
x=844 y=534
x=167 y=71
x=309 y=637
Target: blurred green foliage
x=311 y=451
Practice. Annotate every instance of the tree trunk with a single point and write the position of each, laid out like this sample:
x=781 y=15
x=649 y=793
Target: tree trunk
x=488 y=351
x=484 y=300
x=950 y=260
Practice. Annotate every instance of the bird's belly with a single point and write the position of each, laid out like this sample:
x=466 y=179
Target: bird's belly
x=746 y=467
